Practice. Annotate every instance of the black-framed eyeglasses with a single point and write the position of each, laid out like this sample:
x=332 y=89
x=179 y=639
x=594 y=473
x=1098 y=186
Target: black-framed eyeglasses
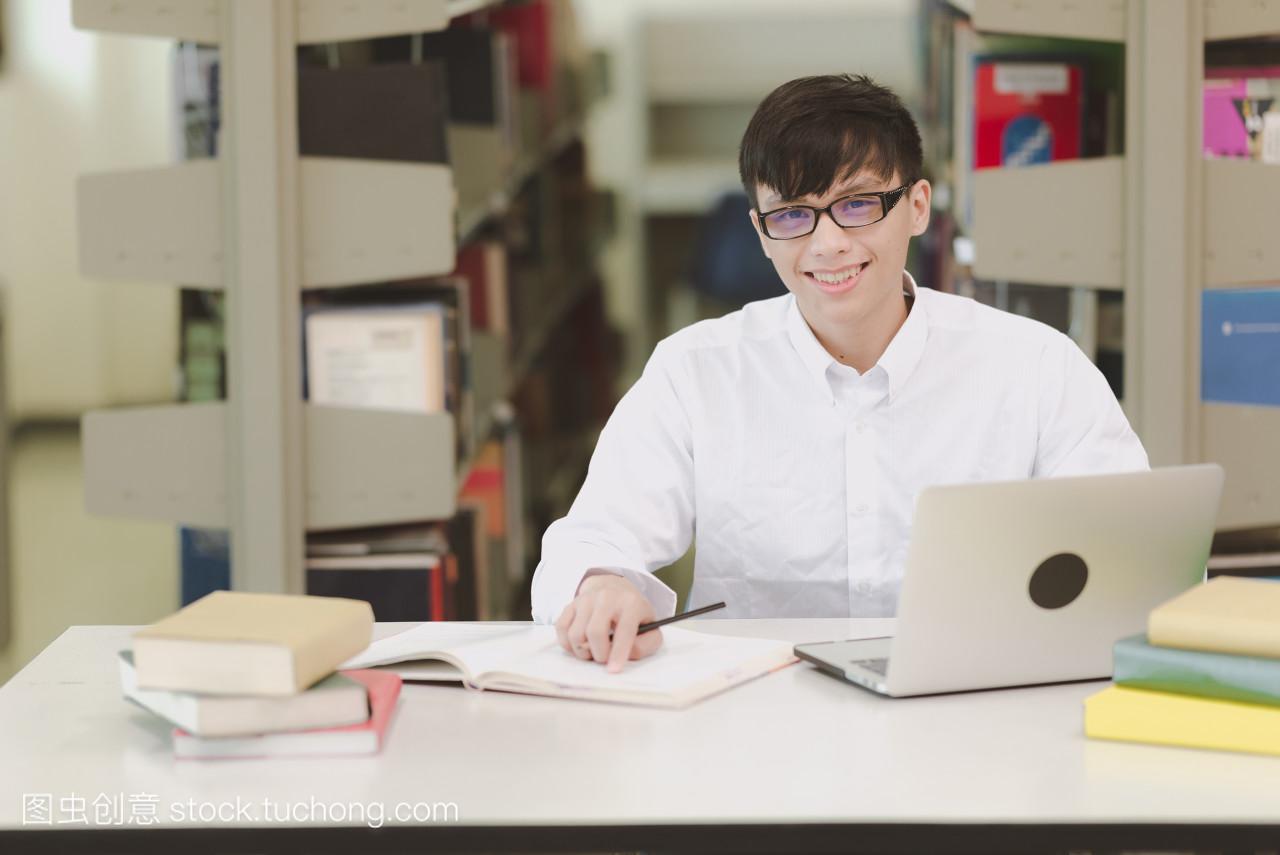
x=848 y=212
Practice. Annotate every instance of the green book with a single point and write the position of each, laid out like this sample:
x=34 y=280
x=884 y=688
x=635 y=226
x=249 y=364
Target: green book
x=1249 y=679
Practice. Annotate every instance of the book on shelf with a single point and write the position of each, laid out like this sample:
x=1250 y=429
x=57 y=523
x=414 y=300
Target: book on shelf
x=196 y=100
x=376 y=540
x=205 y=556
x=479 y=79
x=1247 y=679
x=237 y=643
x=401 y=345
x=335 y=701
x=377 y=356
x=469 y=546
x=482 y=264
x=1227 y=614
x=366 y=737
x=485 y=485
x=473 y=65
x=398 y=587
x=394 y=111
x=690 y=665
x=1162 y=718
x=1027 y=111
x=375 y=561
x=1242 y=114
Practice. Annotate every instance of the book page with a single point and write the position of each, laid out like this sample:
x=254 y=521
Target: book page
x=423 y=642
x=685 y=660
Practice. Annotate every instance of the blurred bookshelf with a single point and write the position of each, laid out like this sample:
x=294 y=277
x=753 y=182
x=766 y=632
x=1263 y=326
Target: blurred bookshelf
x=1156 y=229
x=446 y=287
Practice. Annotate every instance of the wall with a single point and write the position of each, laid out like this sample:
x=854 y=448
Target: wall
x=73 y=102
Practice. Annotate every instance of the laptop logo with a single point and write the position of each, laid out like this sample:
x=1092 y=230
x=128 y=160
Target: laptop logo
x=1058 y=580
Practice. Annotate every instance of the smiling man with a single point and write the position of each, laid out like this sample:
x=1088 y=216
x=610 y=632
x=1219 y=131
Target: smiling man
x=794 y=435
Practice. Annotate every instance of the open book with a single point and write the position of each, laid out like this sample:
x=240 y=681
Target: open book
x=688 y=667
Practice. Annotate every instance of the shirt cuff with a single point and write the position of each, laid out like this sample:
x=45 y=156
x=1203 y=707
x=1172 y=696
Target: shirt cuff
x=552 y=593
x=659 y=595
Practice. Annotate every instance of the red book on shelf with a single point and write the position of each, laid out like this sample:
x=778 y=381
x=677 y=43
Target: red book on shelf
x=471 y=267
x=530 y=24
x=366 y=738
x=1026 y=112
x=485 y=483
x=482 y=263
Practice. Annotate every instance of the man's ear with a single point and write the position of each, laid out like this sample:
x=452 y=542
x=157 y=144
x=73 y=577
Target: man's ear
x=920 y=198
x=755 y=224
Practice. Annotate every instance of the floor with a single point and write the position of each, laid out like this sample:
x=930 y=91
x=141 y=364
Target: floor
x=67 y=567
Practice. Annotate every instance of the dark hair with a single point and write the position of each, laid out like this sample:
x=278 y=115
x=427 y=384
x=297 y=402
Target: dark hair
x=814 y=132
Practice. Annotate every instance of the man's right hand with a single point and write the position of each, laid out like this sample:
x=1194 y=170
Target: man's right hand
x=605 y=604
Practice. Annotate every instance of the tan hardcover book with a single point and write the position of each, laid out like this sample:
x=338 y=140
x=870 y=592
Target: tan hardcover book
x=235 y=643
x=1227 y=614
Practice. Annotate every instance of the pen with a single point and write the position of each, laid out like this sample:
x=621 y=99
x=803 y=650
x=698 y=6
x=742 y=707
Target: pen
x=645 y=627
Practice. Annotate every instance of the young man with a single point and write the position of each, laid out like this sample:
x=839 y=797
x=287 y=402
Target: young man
x=794 y=435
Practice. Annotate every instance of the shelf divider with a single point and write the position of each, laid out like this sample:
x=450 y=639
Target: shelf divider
x=363 y=467
x=361 y=221
x=318 y=21
x=1240 y=19
x=1241 y=218
x=1072 y=234
x=1097 y=20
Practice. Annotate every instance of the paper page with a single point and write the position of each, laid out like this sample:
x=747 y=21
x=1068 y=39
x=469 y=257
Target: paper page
x=424 y=671
x=422 y=641
x=686 y=659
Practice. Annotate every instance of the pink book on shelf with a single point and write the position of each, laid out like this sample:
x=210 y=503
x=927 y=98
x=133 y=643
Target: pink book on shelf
x=352 y=739
x=1224 y=133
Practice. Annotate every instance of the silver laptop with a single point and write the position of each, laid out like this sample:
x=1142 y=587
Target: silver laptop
x=1025 y=582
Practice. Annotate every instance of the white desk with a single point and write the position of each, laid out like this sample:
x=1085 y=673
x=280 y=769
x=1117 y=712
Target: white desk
x=791 y=762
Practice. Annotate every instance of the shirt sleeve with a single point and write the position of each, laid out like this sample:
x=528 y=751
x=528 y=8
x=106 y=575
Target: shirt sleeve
x=635 y=511
x=1083 y=430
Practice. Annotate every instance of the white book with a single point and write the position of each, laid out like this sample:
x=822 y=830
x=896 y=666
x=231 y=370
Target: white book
x=365 y=737
x=375 y=561
x=335 y=701
x=688 y=667
x=389 y=358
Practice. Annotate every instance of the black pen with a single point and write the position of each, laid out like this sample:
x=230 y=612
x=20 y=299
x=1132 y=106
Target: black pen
x=645 y=627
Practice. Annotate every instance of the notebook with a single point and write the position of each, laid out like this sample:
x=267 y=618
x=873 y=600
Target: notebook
x=688 y=667
x=365 y=738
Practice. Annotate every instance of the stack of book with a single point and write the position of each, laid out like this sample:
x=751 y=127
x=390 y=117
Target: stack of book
x=254 y=675
x=1206 y=674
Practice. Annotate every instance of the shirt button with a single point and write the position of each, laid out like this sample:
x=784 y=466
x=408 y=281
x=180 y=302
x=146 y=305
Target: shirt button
x=861 y=508
x=860 y=427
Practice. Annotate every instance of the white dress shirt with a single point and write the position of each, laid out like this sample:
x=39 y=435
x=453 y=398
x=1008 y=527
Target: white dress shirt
x=799 y=476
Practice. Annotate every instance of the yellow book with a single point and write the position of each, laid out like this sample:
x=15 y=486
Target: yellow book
x=236 y=643
x=1162 y=718
x=1227 y=614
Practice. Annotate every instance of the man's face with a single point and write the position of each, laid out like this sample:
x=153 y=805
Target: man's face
x=845 y=276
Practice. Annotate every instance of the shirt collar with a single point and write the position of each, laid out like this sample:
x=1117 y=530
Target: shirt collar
x=812 y=354
x=903 y=354
x=899 y=359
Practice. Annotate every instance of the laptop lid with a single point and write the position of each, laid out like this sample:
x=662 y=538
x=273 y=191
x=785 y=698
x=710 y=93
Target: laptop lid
x=1016 y=583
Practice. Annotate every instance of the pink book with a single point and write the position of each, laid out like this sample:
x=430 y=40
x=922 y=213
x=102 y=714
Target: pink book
x=364 y=738
x=1224 y=133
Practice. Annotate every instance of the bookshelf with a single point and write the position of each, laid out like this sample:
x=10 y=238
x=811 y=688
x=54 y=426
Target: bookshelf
x=265 y=231
x=1164 y=228
x=700 y=72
